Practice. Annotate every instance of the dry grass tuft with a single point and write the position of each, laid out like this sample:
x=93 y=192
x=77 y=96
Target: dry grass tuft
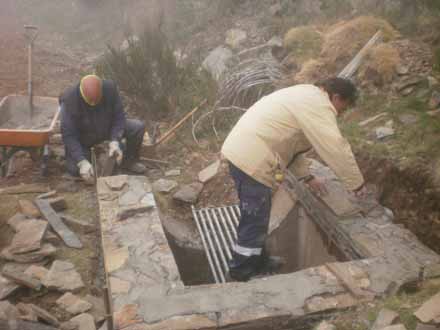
x=311 y=71
x=345 y=39
x=303 y=42
x=380 y=65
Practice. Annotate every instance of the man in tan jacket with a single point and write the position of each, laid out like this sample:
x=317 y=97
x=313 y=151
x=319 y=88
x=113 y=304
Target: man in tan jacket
x=273 y=135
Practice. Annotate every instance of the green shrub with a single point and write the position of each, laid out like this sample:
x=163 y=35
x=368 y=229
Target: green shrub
x=145 y=71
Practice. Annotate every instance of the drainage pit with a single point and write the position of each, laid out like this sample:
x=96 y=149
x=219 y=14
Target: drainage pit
x=297 y=240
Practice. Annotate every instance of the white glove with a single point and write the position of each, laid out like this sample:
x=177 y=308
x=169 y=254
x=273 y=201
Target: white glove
x=115 y=151
x=86 y=171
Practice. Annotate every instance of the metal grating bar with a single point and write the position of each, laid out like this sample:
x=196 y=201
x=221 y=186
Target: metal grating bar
x=218 y=231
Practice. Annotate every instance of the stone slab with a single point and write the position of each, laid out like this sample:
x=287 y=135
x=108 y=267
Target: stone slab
x=73 y=304
x=29 y=236
x=28 y=208
x=429 y=310
x=385 y=318
x=209 y=172
x=7 y=287
x=46 y=250
x=84 y=321
x=17 y=220
x=63 y=277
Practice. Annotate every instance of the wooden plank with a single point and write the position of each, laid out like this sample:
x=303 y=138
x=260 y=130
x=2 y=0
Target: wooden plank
x=69 y=237
x=22 y=279
x=24 y=325
x=33 y=188
x=341 y=273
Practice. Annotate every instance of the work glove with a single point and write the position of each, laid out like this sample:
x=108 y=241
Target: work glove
x=115 y=151
x=86 y=171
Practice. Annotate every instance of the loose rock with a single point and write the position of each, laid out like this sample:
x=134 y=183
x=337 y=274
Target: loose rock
x=84 y=322
x=29 y=209
x=17 y=220
x=73 y=304
x=46 y=250
x=429 y=310
x=98 y=307
x=384 y=132
x=28 y=237
x=175 y=172
x=62 y=276
x=37 y=272
x=324 y=325
x=26 y=312
x=8 y=311
x=44 y=315
x=385 y=318
x=7 y=287
x=116 y=182
x=209 y=172
x=189 y=193
x=164 y=186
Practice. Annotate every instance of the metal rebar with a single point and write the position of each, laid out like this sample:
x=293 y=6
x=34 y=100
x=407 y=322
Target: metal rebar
x=230 y=216
x=226 y=227
x=216 y=240
x=205 y=246
x=222 y=235
x=211 y=245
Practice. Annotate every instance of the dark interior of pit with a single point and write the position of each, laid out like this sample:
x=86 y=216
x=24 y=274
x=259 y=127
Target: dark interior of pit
x=297 y=240
x=410 y=193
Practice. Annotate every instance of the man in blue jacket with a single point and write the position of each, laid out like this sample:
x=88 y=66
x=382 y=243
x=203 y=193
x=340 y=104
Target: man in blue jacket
x=91 y=113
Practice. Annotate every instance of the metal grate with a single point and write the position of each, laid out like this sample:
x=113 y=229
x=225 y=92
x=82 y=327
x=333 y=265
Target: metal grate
x=218 y=230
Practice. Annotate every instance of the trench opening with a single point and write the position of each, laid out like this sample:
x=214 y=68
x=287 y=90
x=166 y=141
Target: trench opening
x=410 y=193
x=298 y=240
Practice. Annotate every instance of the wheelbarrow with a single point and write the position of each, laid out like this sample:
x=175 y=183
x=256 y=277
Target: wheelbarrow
x=26 y=121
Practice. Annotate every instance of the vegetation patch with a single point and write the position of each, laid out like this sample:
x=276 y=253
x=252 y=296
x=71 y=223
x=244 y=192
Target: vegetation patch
x=303 y=42
x=345 y=39
x=380 y=65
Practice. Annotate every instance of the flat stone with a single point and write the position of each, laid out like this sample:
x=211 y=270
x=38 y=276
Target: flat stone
x=116 y=182
x=209 y=172
x=73 y=304
x=45 y=251
x=318 y=304
x=385 y=318
x=408 y=119
x=384 y=132
x=128 y=212
x=406 y=91
x=130 y=198
x=175 y=172
x=16 y=274
x=17 y=220
x=29 y=237
x=429 y=310
x=84 y=321
x=402 y=70
x=324 y=325
x=26 y=312
x=44 y=315
x=49 y=194
x=62 y=276
x=126 y=316
x=119 y=286
x=189 y=193
x=8 y=311
x=32 y=188
x=29 y=209
x=7 y=287
x=164 y=186
x=69 y=325
x=98 y=307
x=424 y=326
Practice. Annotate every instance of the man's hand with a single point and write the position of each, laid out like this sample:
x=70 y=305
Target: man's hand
x=115 y=151
x=361 y=193
x=86 y=171
x=317 y=185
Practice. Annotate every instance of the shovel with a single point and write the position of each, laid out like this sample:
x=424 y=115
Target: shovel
x=30 y=33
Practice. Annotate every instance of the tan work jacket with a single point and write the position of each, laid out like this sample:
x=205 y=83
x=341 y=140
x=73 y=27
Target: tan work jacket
x=277 y=131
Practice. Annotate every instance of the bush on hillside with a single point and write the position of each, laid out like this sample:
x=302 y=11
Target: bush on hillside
x=145 y=70
x=303 y=42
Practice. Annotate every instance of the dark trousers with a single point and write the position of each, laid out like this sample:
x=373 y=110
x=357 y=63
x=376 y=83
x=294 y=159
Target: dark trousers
x=255 y=204
x=133 y=134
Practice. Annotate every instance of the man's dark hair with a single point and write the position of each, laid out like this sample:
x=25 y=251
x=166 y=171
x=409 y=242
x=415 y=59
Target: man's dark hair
x=341 y=86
